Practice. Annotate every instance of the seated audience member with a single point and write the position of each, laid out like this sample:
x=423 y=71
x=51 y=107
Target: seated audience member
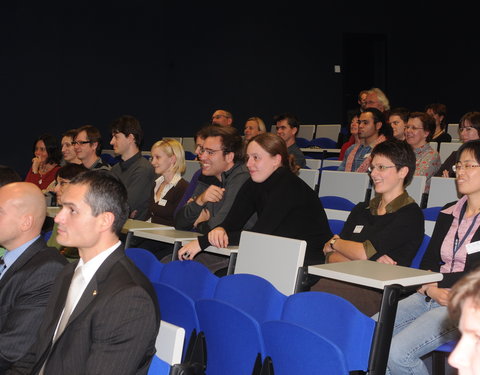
x=27 y=270
x=353 y=135
x=68 y=150
x=439 y=112
x=376 y=98
x=272 y=180
x=422 y=323
x=88 y=146
x=8 y=175
x=253 y=127
x=468 y=129
x=221 y=156
x=287 y=128
x=134 y=171
x=398 y=118
x=222 y=118
x=168 y=159
x=464 y=306
x=372 y=130
x=388 y=229
x=64 y=175
x=45 y=163
x=102 y=316
x=418 y=133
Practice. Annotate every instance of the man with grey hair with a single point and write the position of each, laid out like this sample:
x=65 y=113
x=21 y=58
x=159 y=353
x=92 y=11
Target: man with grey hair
x=222 y=118
x=377 y=99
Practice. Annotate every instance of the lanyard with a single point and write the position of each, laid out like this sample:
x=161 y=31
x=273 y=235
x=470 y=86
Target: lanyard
x=457 y=243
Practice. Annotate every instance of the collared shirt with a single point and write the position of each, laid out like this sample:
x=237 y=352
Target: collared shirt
x=427 y=163
x=11 y=256
x=166 y=188
x=401 y=201
x=362 y=153
x=456 y=262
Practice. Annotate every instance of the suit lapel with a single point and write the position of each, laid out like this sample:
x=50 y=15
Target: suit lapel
x=34 y=248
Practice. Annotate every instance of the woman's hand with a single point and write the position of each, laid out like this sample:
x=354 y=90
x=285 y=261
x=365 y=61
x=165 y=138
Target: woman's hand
x=445 y=173
x=35 y=165
x=189 y=251
x=440 y=295
x=327 y=248
x=218 y=237
x=386 y=260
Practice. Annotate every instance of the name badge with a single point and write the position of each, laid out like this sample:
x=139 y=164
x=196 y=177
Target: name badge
x=358 y=229
x=162 y=202
x=473 y=247
x=366 y=156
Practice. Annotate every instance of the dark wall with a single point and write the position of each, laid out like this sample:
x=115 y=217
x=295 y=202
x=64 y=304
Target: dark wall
x=171 y=64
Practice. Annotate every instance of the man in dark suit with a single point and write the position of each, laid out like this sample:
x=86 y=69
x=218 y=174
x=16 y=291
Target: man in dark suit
x=27 y=270
x=102 y=317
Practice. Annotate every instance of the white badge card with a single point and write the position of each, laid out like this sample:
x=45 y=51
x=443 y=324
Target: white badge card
x=162 y=202
x=358 y=229
x=473 y=247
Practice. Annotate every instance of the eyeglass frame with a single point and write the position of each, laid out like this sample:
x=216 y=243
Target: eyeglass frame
x=209 y=151
x=458 y=167
x=380 y=168
x=81 y=142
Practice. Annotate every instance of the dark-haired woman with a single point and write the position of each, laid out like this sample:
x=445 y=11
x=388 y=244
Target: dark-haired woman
x=284 y=204
x=422 y=323
x=45 y=164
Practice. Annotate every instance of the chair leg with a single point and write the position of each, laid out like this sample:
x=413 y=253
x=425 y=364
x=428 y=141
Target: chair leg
x=438 y=363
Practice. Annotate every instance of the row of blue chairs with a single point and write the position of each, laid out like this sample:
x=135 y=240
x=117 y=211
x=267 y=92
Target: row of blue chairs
x=246 y=321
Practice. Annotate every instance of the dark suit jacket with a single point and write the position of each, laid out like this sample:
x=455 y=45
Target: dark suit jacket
x=24 y=291
x=112 y=330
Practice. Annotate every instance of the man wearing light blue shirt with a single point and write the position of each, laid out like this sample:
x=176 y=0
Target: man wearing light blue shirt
x=28 y=269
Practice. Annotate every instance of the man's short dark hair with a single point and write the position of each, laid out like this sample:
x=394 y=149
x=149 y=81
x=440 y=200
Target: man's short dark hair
x=379 y=116
x=8 y=175
x=93 y=135
x=231 y=140
x=127 y=124
x=106 y=193
x=400 y=153
x=401 y=112
x=291 y=119
x=70 y=171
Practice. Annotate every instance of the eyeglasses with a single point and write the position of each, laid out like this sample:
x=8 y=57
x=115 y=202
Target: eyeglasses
x=380 y=168
x=459 y=166
x=216 y=117
x=80 y=142
x=413 y=128
x=209 y=151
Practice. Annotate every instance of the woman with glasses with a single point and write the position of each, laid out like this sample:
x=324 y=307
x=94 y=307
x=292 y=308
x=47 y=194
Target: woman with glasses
x=418 y=133
x=285 y=205
x=168 y=159
x=45 y=163
x=468 y=129
x=422 y=322
x=387 y=229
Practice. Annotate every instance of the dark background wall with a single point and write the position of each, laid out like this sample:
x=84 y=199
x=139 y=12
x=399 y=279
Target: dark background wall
x=171 y=64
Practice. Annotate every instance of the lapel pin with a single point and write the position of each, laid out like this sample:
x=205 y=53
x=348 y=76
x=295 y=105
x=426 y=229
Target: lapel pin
x=94 y=293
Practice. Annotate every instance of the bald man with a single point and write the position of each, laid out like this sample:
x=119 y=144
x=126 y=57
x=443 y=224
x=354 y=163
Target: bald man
x=222 y=118
x=27 y=270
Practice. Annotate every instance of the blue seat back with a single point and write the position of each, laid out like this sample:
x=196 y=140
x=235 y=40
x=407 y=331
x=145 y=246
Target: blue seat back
x=146 y=262
x=336 y=225
x=323 y=142
x=431 y=213
x=337 y=203
x=191 y=277
x=298 y=350
x=177 y=308
x=251 y=294
x=233 y=338
x=417 y=260
x=158 y=367
x=337 y=320
x=302 y=142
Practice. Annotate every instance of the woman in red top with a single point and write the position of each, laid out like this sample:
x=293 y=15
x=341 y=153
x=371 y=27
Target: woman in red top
x=353 y=137
x=45 y=163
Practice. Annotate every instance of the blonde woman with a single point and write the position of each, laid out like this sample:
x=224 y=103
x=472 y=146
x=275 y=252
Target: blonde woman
x=168 y=159
x=253 y=127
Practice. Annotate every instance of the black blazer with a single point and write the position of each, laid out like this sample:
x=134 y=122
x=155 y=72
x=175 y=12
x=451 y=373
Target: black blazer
x=24 y=291
x=112 y=330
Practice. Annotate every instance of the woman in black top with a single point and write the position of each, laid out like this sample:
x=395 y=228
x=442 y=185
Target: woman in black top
x=285 y=205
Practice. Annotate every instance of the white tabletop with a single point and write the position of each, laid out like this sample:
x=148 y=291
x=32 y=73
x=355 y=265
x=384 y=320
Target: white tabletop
x=166 y=235
x=311 y=149
x=222 y=251
x=132 y=224
x=52 y=211
x=374 y=274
